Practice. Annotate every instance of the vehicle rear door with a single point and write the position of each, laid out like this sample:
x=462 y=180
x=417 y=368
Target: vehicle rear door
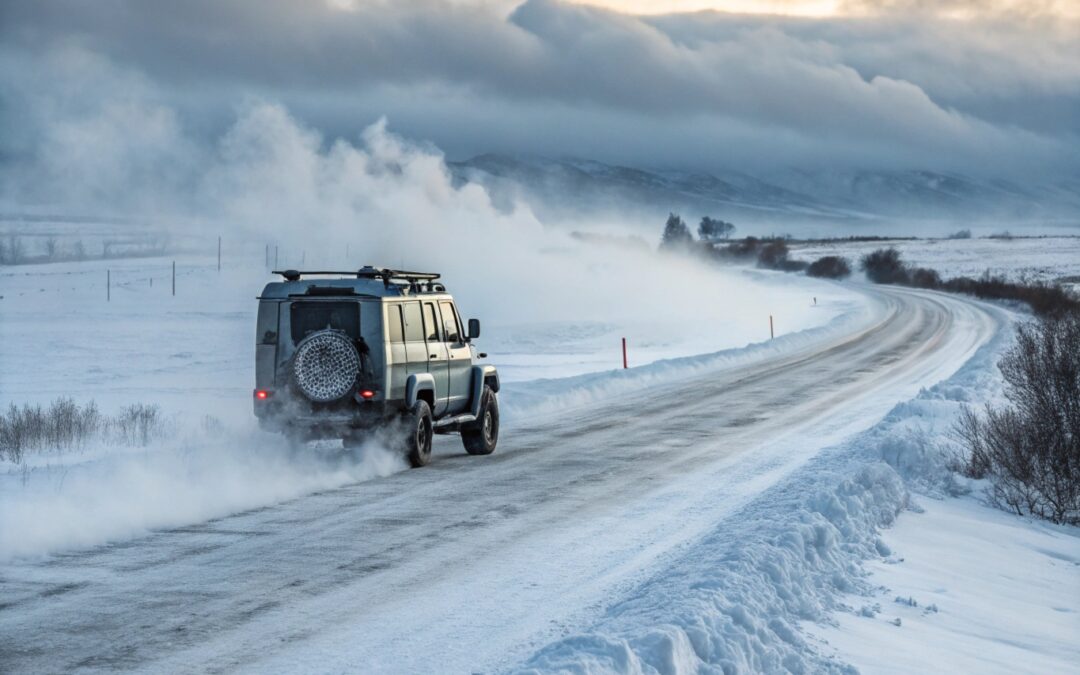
x=438 y=356
x=416 y=351
x=397 y=358
x=460 y=358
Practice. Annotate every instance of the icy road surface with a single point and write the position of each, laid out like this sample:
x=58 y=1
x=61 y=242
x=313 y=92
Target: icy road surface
x=472 y=564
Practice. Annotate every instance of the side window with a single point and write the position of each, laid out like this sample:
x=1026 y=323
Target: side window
x=449 y=318
x=431 y=323
x=414 y=327
x=397 y=328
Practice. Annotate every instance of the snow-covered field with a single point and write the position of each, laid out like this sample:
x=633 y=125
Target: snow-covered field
x=770 y=526
x=1031 y=258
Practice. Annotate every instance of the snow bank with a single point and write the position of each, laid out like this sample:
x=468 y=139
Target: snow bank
x=969 y=589
x=734 y=600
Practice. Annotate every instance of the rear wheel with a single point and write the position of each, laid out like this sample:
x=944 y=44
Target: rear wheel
x=420 y=429
x=481 y=437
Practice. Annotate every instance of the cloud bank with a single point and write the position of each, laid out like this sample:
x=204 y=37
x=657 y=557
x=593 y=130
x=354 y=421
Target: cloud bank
x=895 y=85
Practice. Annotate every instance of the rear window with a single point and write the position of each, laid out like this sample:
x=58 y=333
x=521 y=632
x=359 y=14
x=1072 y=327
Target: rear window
x=308 y=317
x=266 y=326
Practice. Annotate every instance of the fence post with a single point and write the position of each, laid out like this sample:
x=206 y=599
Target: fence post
x=108 y=285
x=219 y=254
x=624 y=364
x=174 y=278
x=276 y=257
x=771 y=334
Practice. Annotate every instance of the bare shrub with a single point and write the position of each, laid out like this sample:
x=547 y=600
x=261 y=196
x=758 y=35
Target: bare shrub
x=1030 y=450
x=15 y=251
x=884 y=266
x=924 y=277
x=64 y=425
x=136 y=424
x=830 y=267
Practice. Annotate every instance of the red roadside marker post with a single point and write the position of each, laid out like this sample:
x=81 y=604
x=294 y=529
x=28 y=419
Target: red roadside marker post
x=771 y=334
x=624 y=365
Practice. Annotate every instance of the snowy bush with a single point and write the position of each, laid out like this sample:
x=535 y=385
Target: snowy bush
x=1030 y=449
x=884 y=266
x=830 y=267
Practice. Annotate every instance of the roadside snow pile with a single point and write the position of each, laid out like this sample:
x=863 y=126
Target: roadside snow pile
x=916 y=438
x=733 y=601
x=101 y=495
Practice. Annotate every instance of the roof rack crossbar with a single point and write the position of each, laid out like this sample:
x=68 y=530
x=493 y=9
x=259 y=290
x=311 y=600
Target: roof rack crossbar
x=414 y=279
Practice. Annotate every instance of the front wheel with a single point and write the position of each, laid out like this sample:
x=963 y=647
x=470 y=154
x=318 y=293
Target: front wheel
x=481 y=437
x=420 y=429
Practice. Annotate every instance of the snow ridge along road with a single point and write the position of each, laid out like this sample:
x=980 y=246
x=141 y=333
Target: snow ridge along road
x=474 y=563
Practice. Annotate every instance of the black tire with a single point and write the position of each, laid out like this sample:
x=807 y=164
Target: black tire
x=419 y=429
x=481 y=437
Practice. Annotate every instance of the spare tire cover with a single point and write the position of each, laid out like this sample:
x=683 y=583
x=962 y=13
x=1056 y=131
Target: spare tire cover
x=325 y=366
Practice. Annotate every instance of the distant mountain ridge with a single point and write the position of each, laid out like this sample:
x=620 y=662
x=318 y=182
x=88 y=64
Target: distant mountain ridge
x=563 y=187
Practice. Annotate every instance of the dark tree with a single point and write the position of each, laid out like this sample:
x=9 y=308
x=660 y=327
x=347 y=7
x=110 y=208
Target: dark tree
x=712 y=229
x=676 y=234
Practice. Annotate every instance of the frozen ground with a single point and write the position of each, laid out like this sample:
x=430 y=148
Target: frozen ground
x=489 y=560
x=966 y=588
x=1043 y=258
x=725 y=511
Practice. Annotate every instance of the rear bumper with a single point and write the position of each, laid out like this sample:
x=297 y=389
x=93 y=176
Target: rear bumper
x=280 y=414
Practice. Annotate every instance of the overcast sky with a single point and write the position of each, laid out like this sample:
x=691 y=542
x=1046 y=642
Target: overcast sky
x=983 y=86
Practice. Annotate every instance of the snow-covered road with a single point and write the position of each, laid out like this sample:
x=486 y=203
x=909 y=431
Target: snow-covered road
x=473 y=564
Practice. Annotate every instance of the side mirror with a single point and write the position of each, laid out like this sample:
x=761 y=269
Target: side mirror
x=474 y=328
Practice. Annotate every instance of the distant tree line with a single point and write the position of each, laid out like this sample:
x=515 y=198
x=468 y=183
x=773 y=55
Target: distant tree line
x=772 y=253
x=677 y=233
x=14 y=251
x=884 y=266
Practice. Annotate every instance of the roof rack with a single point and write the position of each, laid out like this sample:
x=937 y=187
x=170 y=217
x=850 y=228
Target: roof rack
x=418 y=281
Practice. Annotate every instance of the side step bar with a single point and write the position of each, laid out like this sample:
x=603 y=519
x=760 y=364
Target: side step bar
x=463 y=418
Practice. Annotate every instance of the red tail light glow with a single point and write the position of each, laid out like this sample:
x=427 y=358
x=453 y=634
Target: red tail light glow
x=367 y=394
x=262 y=394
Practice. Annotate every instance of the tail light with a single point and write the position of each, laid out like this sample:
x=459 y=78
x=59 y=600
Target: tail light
x=367 y=394
x=262 y=394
